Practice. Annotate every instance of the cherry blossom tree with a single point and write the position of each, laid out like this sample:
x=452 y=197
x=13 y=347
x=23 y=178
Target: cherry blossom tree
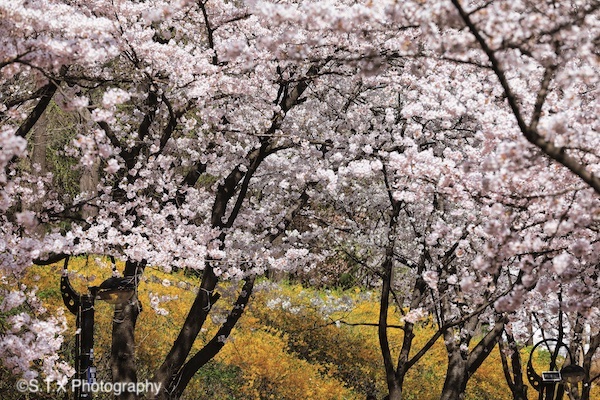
x=412 y=217
x=514 y=187
x=558 y=44
x=544 y=57
x=400 y=133
x=205 y=139
x=180 y=129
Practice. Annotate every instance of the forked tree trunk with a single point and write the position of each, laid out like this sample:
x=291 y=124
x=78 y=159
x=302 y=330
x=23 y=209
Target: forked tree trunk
x=180 y=350
x=455 y=383
x=198 y=360
x=463 y=363
x=174 y=373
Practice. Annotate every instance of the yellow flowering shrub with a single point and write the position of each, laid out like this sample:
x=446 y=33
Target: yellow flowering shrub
x=271 y=372
x=292 y=342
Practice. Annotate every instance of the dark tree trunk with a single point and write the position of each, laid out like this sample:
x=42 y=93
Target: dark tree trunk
x=462 y=363
x=394 y=388
x=587 y=366
x=122 y=355
x=191 y=327
x=576 y=349
x=181 y=380
x=513 y=371
x=174 y=373
x=395 y=391
x=46 y=94
x=455 y=383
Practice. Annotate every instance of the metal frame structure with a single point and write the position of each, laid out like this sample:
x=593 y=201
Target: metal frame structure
x=551 y=384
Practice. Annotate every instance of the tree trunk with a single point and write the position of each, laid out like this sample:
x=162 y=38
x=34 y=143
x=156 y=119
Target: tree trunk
x=395 y=391
x=513 y=372
x=463 y=363
x=530 y=321
x=88 y=183
x=181 y=380
x=394 y=388
x=576 y=351
x=455 y=383
x=187 y=335
x=39 y=139
x=588 y=361
x=122 y=354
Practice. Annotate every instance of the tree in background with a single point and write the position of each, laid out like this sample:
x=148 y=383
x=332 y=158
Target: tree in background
x=545 y=58
x=216 y=125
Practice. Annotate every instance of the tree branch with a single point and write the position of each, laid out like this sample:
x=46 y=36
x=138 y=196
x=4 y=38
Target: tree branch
x=532 y=135
x=541 y=97
x=46 y=94
x=216 y=343
x=384 y=301
x=485 y=346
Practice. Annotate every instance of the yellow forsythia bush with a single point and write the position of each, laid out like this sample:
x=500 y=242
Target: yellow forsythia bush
x=271 y=372
x=293 y=342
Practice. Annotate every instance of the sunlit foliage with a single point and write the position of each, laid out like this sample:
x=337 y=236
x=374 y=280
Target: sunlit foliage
x=293 y=342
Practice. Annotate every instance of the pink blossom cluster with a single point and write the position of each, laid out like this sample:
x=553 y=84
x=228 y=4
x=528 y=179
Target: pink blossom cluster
x=277 y=135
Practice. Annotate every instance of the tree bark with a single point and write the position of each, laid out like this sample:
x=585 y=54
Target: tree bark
x=395 y=390
x=46 y=94
x=39 y=139
x=88 y=183
x=122 y=355
x=513 y=372
x=587 y=366
x=181 y=380
x=455 y=383
x=463 y=363
x=234 y=187
x=191 y=327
